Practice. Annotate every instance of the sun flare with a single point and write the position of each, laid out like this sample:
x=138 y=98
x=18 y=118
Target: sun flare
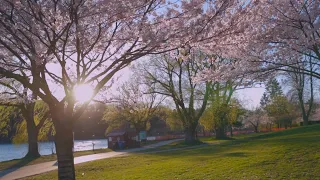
x=83 y=92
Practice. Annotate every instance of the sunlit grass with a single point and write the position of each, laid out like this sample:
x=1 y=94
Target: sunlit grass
x=290 y=154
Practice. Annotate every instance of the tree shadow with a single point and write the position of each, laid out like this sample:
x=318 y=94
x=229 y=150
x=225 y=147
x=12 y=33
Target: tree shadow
x=22 y=162
x=235 y=154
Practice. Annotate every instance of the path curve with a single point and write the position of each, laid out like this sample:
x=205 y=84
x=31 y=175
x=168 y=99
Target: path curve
x=31 y=170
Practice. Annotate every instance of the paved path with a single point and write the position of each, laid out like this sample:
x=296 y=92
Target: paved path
x=35 y=169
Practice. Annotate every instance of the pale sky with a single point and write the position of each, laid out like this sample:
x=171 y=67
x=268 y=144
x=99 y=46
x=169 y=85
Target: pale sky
x=249 y=98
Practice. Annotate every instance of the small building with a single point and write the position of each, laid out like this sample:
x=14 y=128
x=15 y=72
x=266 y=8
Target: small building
x=123 y=138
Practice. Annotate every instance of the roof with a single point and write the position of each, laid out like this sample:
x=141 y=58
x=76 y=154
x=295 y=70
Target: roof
x=120 y=132
x=117 y=133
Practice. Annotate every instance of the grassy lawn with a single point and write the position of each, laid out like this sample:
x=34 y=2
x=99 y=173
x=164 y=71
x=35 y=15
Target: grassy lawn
x=29 y=161
x=290 y=154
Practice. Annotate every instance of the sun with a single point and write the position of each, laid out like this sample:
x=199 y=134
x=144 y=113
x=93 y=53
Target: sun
x=83 y=92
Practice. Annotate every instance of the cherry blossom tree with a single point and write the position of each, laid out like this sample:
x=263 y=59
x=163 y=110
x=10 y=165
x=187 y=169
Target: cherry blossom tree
x=61 y=44
x=269 y=36
x=282 y=34
x=302 y=89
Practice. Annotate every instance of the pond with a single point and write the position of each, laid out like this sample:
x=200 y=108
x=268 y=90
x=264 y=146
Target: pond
x=17 y=151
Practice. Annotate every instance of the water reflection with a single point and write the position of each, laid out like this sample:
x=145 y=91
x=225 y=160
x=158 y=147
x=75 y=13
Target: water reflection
x=16 y=151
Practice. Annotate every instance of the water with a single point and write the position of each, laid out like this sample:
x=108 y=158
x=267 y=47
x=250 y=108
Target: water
x=17 y=151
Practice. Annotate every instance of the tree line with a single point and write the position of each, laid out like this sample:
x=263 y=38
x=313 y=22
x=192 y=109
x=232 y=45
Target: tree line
x=50 y=45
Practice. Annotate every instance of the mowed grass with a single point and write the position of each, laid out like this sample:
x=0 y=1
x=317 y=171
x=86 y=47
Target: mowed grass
x=30 y=161
x=290 y=154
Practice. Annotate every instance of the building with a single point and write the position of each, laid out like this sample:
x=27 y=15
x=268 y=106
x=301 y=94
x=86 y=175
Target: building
x=123 y=138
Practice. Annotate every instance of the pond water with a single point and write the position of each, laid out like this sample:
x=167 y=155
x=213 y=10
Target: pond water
x=16 y=151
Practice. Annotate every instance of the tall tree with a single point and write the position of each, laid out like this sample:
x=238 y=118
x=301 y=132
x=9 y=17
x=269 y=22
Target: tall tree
x=16 y=95
x=171 y=76
x=272 y=90
x=221 y=112
x=86 y=42
x=42 y=121
x=302 y=88
x=281 y=111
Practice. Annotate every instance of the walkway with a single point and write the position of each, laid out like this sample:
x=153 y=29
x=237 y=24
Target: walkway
x=35 y=169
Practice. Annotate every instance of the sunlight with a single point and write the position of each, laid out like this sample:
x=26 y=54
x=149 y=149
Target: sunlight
x=83 y=92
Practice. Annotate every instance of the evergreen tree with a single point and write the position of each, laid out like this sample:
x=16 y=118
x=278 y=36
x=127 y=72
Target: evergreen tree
x=264 y=100
x=273 y=90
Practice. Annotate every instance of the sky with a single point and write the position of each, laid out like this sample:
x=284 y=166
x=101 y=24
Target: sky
x=249 y=97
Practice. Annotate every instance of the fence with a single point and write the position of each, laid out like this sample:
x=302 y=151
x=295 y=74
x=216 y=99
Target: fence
x=168 y=137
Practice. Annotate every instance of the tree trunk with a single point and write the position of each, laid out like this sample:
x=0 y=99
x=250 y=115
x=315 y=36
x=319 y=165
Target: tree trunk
x=231 y=132
x=32 y=130
x=220 y=133
x=255 y=129
x=190 y=135
x=305 y=120
x=33 y=150
x=64 y=149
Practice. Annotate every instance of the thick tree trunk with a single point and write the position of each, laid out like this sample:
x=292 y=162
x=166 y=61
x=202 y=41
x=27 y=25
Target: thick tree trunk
x=190 y=135
x=64 y=149
x=220 y=133
x=32 y=130
x=33 y=150
x=305 y=120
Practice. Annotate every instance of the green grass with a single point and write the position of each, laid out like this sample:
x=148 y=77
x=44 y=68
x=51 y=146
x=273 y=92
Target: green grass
x=29 y=161
x=290 y=154
x=173 y=145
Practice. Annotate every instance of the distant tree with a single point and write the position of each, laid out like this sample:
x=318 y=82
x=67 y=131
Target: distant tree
x=256 y=118
x=134 y=105
x=302 y=88
x=222 y=110
x=91 y=124
x=42 y=121
x=272 y=90
x=173 y=121
x=233 y=117
x=10 y=116
x=281 y=111
x=14 y=94
x=172 y=76
x=264 y=100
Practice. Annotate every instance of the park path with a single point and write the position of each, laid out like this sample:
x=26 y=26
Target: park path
x=31 y=170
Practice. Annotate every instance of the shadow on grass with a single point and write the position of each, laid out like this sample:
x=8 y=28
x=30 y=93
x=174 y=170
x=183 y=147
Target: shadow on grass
x=21 y=162
x=235 y=154
x=224 y=138
x=288 y=132
x=299 y=136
